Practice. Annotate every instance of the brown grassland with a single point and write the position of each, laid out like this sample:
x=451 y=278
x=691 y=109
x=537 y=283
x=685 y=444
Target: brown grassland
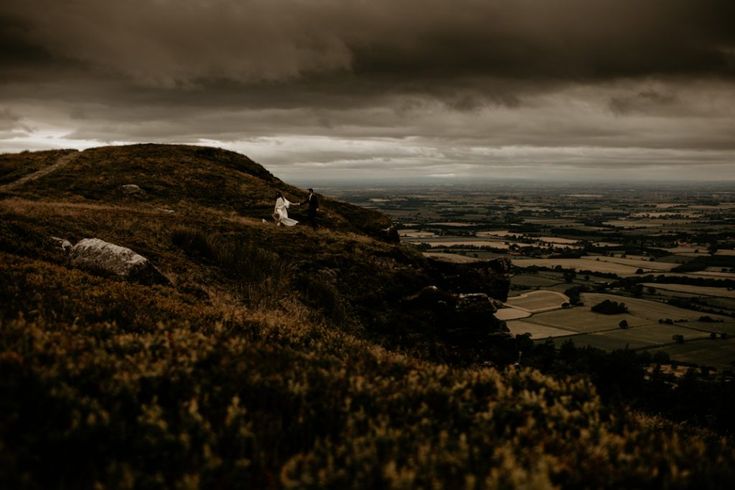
x=277 y=358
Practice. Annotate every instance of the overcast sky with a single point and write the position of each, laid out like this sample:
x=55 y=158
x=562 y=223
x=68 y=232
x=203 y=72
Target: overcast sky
x=395 y=89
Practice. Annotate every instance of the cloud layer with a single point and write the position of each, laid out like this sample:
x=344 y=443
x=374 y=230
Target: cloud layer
x=325 y=87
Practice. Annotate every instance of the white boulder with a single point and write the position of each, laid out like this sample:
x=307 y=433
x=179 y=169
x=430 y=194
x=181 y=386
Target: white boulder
x=63 y=243
x=101 y=256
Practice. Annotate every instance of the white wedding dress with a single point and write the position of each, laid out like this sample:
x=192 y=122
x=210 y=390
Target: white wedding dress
x=280 y=212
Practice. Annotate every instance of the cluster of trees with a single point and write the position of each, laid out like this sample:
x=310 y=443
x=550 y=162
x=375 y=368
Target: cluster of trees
x=636 y=379
x=575 y=294
x=695 y=303
x=628 y=282
x=609 y=307
x=701 y=263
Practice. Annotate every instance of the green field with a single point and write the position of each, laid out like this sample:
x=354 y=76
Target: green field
x=578 y=265
x=637 y=262
x=724 y=327
x=694 y=290
x=520 y=327
x=655 y=334
x=538 y=301
x=635 y=337
x=532 y=281
x=649 y=310
x=603 y=332
x=705 y=352
x=508 y=314
x=450 y=257
x=582 y=320
x=607 y=343
x=665 y=294
x=715 y=274
x=601 y=263
x=643 y=318
x=726 y=303
x=458 y=242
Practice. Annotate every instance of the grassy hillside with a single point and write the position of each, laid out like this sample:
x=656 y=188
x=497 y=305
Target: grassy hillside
x=277 y=357
x=183 y=177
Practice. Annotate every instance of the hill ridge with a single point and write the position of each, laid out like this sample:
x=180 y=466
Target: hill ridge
x=173 y=175
x=60 y=162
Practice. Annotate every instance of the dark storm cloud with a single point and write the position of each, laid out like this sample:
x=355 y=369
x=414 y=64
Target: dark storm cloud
x=383 y=84
x=18 y=48
x=644 y=101
x=8 y=119
x=178 y=43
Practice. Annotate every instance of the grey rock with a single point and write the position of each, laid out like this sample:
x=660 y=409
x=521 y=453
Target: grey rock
x=489 y=277
x=390 y=234
x=475 y=307
x=63 y=243
x=107 y=258
x=131 y=189
x=463 y=317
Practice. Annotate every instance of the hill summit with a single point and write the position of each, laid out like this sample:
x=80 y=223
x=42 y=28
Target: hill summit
x=164 y=176
x=255 y=356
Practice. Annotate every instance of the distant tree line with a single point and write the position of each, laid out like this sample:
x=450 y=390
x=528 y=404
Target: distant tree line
x=609 y=307
x=701 y=263
x=626 y=282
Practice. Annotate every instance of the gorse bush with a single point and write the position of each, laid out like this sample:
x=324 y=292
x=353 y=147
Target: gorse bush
x=320 y=292
x=235 y=255
x=262 y=276
x=193 y=242
x=209 y=396
x=270 y=401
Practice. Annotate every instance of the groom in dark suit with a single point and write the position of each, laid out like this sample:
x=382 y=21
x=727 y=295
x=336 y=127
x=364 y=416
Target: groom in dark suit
x=313 y=201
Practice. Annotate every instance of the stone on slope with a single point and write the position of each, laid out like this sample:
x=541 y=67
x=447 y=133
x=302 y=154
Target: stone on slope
x=491 y=277
x=63 y=243
x=462 y=317
x=104 y=257
x=131 y=189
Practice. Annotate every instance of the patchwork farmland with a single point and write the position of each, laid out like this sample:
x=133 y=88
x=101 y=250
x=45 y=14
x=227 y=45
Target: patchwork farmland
x=667 y=254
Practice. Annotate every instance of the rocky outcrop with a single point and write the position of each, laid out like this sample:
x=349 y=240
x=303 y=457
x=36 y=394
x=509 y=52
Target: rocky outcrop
x=489 y=277
x=103 y=257
x=390 y=234
x=63 y=244
x=476 y=315
x=461 y=317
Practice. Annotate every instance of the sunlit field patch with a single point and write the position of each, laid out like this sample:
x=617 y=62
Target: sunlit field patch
x=538 y=301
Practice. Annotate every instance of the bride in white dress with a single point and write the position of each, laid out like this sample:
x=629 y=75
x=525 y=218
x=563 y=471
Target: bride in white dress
x=280 y=212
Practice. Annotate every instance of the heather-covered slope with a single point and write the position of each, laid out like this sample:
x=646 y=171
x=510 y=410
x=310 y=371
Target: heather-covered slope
x=277 y=357
x=180 y=177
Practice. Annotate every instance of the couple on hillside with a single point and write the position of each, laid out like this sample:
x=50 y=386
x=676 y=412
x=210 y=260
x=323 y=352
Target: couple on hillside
x=280 y=212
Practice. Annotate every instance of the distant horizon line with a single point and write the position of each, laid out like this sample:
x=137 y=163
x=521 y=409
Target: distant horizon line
x=424 y=182
x=408 y=181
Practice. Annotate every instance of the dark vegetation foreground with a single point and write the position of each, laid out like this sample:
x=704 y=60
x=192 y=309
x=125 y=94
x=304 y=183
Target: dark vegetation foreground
x=276 y=357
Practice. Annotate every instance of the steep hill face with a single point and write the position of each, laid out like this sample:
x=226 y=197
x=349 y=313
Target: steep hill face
x=269 y=357
x=197 y=213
